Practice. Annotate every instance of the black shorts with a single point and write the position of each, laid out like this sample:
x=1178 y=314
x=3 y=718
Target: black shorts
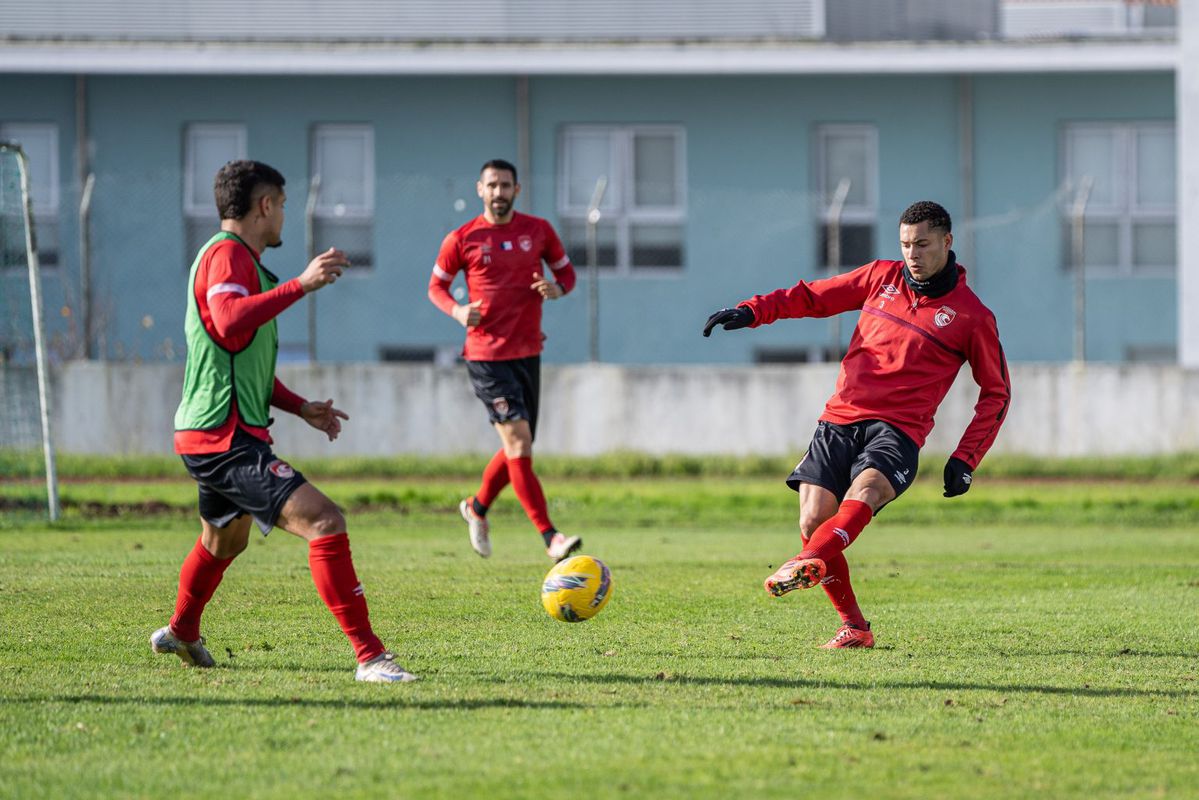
x=510 y=389
x=839 y=453
x=246 y=479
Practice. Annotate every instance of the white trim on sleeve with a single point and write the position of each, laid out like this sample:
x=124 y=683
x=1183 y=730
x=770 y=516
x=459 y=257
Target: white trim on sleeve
x=224 y=288
x=441 y=273
x=560 y=263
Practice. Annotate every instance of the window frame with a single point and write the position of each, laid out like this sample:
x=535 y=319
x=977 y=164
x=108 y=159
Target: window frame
x=191 y=209
x=325 y=214
x=865 y=214
x=1126 y=213
x=367 y=130
x=46 y=212
x=619 y=206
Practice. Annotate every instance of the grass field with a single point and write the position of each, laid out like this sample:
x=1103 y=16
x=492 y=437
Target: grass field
x=1034 y=639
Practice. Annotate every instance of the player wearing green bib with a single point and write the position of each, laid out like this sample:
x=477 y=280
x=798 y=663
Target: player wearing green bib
x=222 y=423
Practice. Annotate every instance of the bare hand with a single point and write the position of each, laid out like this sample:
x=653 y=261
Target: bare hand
x=323 y=270
x=324 y=417
x=468 y=316
x=548 y=289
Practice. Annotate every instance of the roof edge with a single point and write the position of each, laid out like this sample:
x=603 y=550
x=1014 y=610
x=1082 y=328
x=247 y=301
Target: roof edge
x=583 y=58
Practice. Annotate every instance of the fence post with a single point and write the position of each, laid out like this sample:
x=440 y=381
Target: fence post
x=593 y=217
x=1078 y=210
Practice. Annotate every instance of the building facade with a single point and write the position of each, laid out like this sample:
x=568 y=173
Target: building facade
x=741 y=152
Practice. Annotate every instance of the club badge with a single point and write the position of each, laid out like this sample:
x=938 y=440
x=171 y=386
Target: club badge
x=944 y=316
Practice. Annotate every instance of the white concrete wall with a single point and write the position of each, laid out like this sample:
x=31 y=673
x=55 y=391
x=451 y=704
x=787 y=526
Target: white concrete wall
x=1056 y=410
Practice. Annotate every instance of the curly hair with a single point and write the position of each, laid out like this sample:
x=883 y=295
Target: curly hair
x=927 y=211
x=236 y=184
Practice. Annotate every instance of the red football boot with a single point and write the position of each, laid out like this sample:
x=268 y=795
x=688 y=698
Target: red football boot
x=849 y=636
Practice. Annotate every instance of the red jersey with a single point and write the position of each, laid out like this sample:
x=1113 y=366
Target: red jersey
x=499 y=261
x=232 y=307
x=905 y=352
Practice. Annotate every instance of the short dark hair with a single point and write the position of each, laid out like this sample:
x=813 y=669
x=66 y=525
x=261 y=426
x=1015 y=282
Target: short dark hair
x=236 y=184
x=499 y=163
x=927 y=211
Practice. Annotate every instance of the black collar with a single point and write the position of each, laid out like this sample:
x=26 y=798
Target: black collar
x=938 y=285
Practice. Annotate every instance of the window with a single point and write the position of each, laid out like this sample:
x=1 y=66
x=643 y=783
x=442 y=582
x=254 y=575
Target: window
x=846 y=153
x=1129 y=223
x=343 y=157
x=644 y=208
x=207 y=147
x=40 y=143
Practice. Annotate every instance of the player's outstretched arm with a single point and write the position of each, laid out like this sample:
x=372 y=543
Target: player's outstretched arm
x=323 y=270
x=324 y=417
x=730 y=319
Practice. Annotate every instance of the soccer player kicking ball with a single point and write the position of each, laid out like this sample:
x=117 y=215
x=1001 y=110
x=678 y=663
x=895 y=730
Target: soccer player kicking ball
x=501 y=252
x=222 y=424
x=919 y=323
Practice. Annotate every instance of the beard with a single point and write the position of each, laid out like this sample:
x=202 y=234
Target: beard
x=501 y=207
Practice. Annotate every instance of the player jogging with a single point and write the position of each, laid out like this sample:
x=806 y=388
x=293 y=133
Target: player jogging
x=501 y=252
x=919 y=323
x=222 y=424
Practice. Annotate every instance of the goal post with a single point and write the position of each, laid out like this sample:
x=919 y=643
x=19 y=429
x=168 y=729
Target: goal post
x=14 y=187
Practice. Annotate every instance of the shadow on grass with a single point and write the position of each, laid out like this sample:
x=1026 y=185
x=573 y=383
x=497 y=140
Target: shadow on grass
x=873 y=685
x=398 y=703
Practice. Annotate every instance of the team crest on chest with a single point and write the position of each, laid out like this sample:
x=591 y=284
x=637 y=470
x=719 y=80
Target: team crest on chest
x=526 y=243
x=944 y=316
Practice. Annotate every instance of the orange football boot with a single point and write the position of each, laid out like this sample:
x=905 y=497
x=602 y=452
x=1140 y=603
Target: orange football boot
x=798 y=573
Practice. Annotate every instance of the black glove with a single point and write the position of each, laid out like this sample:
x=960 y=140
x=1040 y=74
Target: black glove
x=958 y=477
x=730 y=318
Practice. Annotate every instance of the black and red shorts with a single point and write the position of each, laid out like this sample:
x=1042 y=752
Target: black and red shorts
x=248 y=478
x=510 y=389
x=839 y=453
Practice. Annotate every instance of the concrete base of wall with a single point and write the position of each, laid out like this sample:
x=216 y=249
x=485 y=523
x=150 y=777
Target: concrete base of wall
x=1057 y=410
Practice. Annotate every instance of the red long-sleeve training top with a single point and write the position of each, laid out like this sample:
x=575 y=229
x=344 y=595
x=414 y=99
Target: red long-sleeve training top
x=905 y=352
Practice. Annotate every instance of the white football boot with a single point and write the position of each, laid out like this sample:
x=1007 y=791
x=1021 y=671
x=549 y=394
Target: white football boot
x=193 y=654
x=383 y=669
x=562 y=546
x=479 y=527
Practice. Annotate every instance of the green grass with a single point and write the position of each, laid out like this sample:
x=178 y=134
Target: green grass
x=1028 y=646
x=29 y=465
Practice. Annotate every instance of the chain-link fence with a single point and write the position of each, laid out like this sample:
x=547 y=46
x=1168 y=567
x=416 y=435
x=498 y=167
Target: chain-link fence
x=667 y=251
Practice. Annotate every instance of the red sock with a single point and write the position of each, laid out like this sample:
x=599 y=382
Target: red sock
x=840 y=592
x=528 y=491
x=199 y=576
x=495 y=478
x=838 y=531
x=337 y=584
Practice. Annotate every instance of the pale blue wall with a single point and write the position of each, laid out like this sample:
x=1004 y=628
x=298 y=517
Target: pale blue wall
x=46 y=99
x=425 y=130
x=1018 y=127
x=750 y=224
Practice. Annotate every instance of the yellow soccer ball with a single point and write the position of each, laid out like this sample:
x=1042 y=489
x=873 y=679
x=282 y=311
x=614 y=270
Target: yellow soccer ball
x=576 y=589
